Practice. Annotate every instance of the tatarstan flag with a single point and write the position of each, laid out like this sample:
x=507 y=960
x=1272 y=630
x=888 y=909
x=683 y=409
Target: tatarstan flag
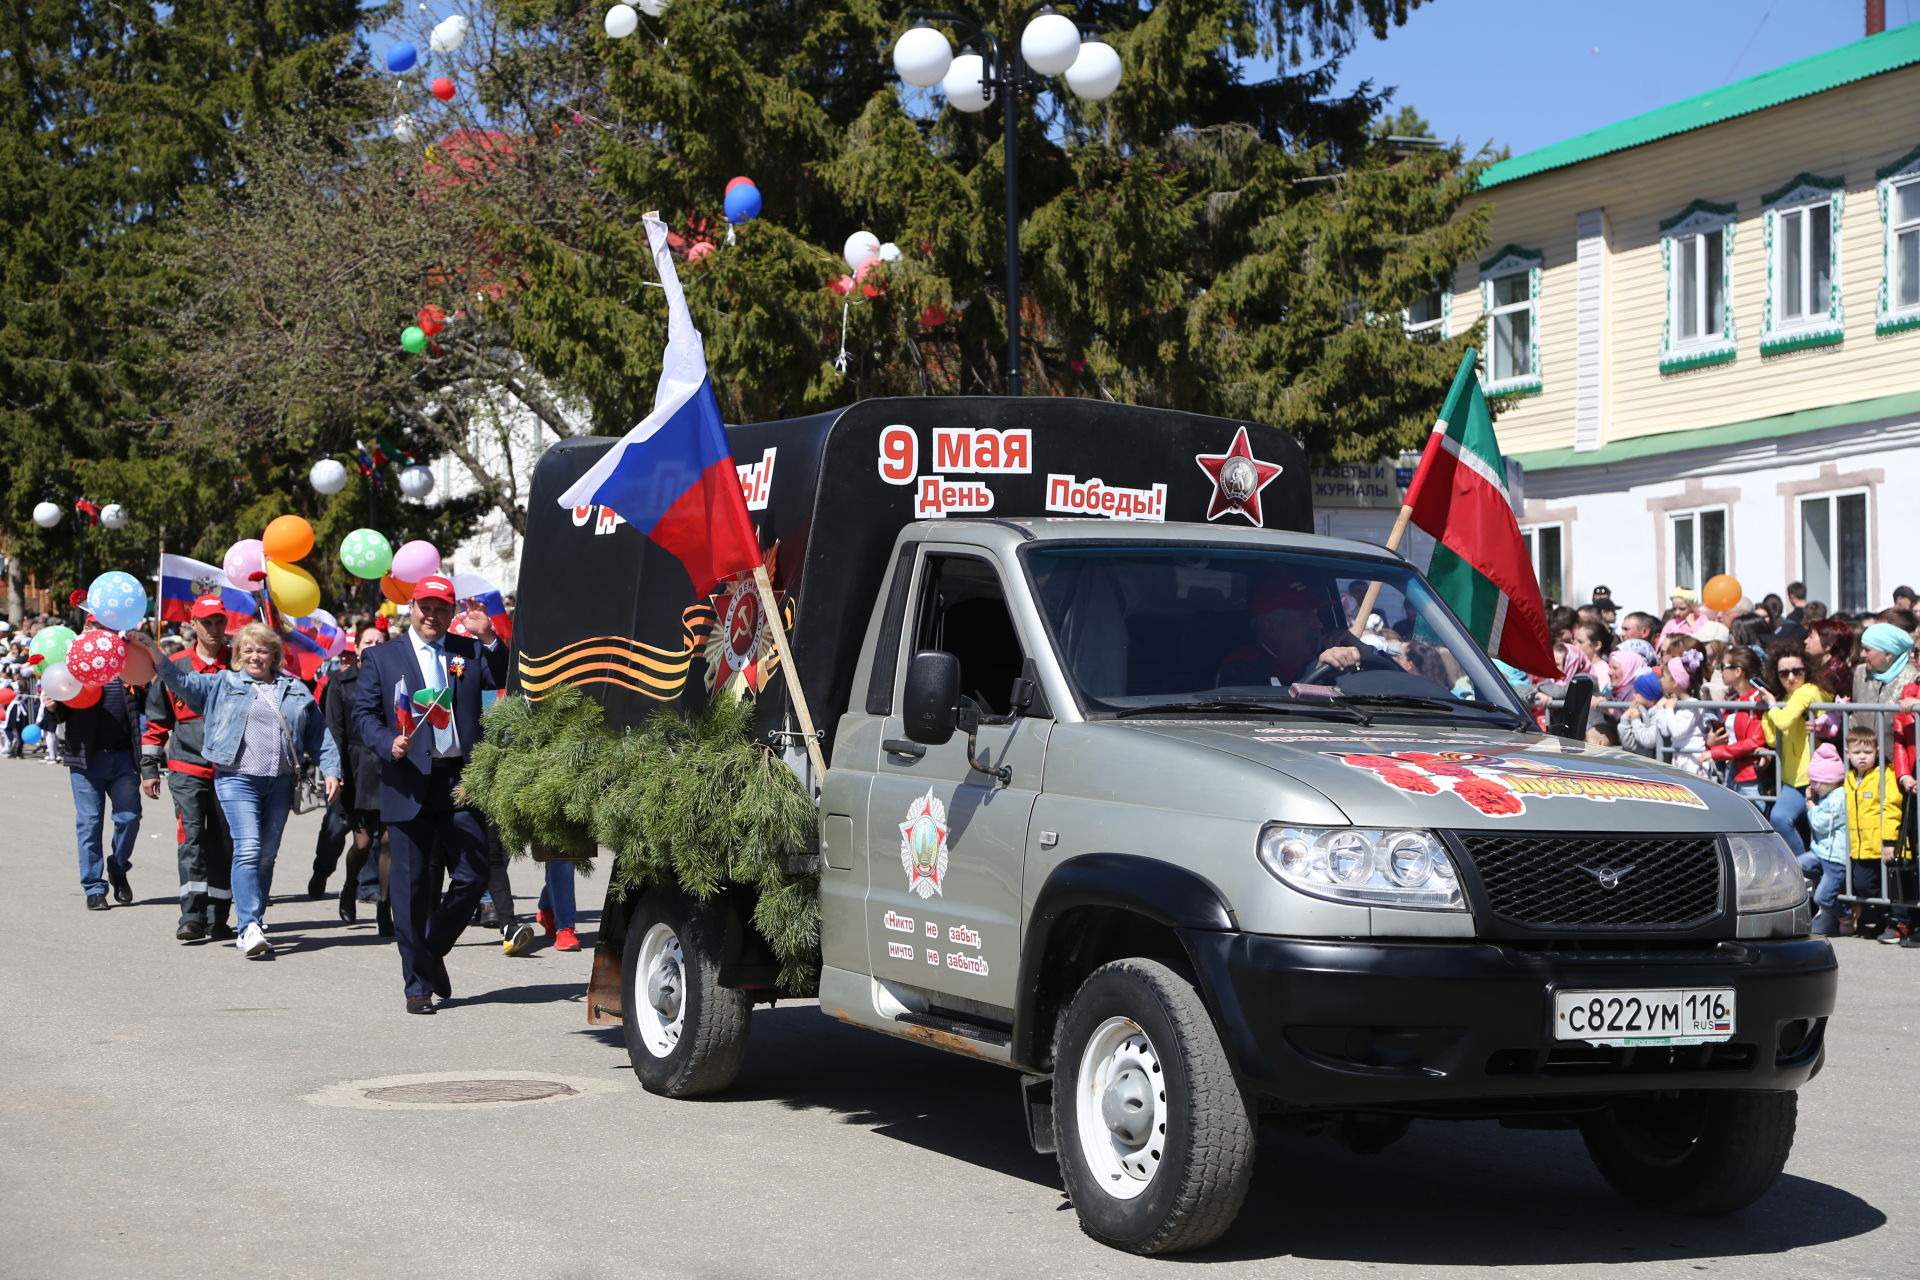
x=1481 y=567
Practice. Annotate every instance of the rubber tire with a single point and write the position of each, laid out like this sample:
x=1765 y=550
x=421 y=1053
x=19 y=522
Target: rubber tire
x=1207 y=1161
x=1742 y=1144
x=713 y=1038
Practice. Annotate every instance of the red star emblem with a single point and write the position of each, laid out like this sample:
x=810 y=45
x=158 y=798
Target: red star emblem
x=1238 y=477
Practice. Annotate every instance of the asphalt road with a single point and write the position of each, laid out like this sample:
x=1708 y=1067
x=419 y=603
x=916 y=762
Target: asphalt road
x=173 y=1110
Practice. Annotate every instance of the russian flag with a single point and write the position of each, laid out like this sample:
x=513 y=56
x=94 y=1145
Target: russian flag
x=317 y=631
x=672 y=477
x=471 y=586
x=304 y=652
x=182 y=581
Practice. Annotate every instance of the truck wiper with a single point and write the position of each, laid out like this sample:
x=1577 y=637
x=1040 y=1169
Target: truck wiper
x=1424 y=700
x=1326 y=710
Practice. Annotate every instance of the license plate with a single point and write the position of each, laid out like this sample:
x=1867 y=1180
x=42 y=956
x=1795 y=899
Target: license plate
x=1632 y=1018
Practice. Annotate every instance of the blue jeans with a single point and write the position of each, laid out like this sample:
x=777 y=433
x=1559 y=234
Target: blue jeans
x=1832 y=876
x=110 y=778
x=557 y=897
x=1786 y=811
x=256 y=806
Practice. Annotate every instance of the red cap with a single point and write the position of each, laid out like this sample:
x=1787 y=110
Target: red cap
x=1283 y=593
x=434 y=587
x=206 y=606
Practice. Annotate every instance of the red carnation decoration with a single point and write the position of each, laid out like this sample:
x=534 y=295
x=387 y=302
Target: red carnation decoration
x=1439 y=766
x=1408 y=780
x=1489 y=797
x=76 y=598
x=1375 y=762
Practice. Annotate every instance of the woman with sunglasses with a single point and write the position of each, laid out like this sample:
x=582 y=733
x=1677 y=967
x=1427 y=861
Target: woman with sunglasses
x=1789 y=691
x=1736 y=742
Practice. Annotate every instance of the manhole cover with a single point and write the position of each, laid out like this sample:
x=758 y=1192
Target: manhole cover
x=456 y=1091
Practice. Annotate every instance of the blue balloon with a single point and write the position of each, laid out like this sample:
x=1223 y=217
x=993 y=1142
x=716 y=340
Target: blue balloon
x=117 y=601
x=402 y=56
x=30 y=734
x=743 y=202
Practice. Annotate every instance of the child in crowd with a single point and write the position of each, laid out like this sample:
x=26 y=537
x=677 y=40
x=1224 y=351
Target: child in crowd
x=1735 y=743
x=1873 y=825
x=1831 y=850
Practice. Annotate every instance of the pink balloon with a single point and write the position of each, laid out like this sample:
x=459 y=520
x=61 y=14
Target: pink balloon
x=97 y=657
x=246 y=565
x=415 y=561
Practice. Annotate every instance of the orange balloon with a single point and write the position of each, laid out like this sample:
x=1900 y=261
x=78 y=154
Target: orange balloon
x=139 y=669
x=1721 y=593
x=395 y=590
x=287 y=539
x=88 y=695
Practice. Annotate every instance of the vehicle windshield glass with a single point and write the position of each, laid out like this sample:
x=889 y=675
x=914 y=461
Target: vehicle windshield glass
x=1141 y=628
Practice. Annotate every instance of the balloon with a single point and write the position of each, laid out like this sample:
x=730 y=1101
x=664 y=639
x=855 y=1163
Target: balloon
x=1050 y=44
x=6 y=696
x=293 y=589
x=139 y=668
x=890 y=252
x=1095 y=74
x=622 y=21
x=700 y=249
x=288 y=538
x=245 y=564
x=415 y=561
x=742 y=203
x=88 y=695
x=1721 y=593
x=366 y=553
x=443 y=89
x=113 y=516
x=406 y=128
x=922 y=56
x=58 y=683
x=401 y=57
x=862 y=249
x=432 y=320
x=328 y=476
x=448 y=34
x=47 y=514
x=30 y=734
x=414 y=338
x=962 y=86
x=742 y=181
x=117 y=601
x=653 y=8
x=416 y=481
x=51 y=643
x=387 y=610
x=97 y=657
x=934 y=316
x=396 y=591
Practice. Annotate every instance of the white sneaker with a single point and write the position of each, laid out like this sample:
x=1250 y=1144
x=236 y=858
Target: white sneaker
x=252 y=943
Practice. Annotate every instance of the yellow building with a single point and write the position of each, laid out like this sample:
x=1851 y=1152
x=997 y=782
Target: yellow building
x=1708 y=320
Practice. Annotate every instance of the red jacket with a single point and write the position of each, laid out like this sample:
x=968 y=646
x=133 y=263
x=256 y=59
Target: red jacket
x=173 y=728
x=1746 y=735
x=1903 y=752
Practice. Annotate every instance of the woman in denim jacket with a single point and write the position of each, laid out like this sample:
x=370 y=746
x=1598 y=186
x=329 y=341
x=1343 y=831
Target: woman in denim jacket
x=262 y=725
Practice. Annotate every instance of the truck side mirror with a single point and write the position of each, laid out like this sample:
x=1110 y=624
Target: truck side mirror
x=1570 y=721
x=932 y=697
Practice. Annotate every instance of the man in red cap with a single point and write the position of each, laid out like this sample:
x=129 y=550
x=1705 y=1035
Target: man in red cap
x=175 y=733
x=418 y=708
x=1289 y=639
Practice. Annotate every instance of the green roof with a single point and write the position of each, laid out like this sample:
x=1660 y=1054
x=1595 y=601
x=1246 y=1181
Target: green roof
x=1872 y=56
x=1905 y=404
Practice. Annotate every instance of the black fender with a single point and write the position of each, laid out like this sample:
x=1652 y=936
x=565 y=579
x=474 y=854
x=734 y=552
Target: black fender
x=1166 y=894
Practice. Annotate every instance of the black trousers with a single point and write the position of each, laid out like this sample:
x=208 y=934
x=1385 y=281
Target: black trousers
x=423 y=929
x=206 y=850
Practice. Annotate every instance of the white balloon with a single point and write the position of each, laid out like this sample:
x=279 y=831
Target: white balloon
x=47 y=514
x=448 y=34
x=622 y=21
x=961 y=84
x=1050 y=43
x=1095 y=74
x=922 y=56
x=416 y=481
x=113 y=516
x=58 y=683
x=862 y=248
x=889 y=252
x=328 y=476
x=405 y=128
x=653 y=8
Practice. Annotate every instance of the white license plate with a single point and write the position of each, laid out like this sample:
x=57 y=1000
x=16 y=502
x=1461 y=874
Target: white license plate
x=1629 y=1018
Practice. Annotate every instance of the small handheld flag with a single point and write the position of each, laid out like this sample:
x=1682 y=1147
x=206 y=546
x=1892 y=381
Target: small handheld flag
x=436 y=705
x=403 y=716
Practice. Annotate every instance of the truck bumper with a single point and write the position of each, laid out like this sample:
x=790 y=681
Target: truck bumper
x=1318 y=1023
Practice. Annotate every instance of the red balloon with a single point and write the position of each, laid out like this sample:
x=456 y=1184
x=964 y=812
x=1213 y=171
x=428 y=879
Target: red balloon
x=88 y=695
x=443 y=89
x=432 y=320
x=6 y=696
x=736 y=182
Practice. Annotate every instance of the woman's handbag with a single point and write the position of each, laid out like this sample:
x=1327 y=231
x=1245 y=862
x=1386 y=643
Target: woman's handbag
x=309 y=788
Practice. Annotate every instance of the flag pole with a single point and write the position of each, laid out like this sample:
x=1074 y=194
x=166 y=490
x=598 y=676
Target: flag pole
x=771 y=608
x=1393 y=544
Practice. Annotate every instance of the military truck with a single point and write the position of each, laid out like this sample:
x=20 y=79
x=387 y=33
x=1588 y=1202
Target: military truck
x=1117 y=796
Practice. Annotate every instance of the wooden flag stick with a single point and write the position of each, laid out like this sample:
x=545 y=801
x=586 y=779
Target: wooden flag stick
x=771 y=608
x=1393 y=544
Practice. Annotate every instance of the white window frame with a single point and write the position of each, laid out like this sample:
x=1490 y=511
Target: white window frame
x=1512 y=261
x=1780 y=333
x=1536 y=556
x=1441 y=326
x=1828 y=592
x=1699 y=566
x=1893 y=318
x=1679 y=234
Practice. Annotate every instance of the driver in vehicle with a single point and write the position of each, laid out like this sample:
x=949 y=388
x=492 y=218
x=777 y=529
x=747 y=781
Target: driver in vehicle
x=1289 y=640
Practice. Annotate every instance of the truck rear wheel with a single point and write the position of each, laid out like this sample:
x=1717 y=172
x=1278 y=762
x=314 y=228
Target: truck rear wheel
x=1702 y=1154
x=1156 y=1143
x=686 y=1034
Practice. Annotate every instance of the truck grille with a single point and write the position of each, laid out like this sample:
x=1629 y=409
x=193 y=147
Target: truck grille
x=1562 y=881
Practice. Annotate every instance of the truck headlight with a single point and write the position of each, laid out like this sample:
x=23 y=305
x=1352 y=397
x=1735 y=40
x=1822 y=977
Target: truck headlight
x=1766 y=875
x=1363 y=865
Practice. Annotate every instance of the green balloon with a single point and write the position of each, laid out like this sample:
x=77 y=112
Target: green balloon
x=366 y=553
x=414 y=338
x=51 y=643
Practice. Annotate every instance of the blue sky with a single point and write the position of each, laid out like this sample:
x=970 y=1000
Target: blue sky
x=1526 y=73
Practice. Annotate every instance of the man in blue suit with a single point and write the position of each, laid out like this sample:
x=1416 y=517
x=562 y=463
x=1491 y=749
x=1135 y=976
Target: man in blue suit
x=439 y=677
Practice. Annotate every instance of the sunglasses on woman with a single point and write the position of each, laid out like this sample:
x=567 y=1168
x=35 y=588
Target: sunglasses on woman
x=1793 y=671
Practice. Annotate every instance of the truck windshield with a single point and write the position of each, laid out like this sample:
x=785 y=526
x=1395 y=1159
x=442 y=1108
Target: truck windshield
x=1142 y=629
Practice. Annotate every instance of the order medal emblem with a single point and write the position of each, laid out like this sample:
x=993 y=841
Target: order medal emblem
x=923 y=846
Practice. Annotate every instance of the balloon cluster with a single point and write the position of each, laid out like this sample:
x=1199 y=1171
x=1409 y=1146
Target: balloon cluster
x=403 y=57
x=367 y=554
x=73 y=667
x=428 y=322
x=861 y=252
x=742 y=201
x=270 y=559
x=622 y=20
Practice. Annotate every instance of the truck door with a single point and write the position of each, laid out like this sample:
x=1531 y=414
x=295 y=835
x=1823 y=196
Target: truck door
x=946 y=844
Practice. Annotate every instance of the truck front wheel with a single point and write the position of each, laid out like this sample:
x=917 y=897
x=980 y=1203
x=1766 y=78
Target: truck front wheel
x=1156 y=1142
x=686 y=1034
x=1695 y=1153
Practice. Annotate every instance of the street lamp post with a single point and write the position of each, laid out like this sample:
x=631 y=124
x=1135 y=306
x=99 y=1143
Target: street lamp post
x=1049 y=45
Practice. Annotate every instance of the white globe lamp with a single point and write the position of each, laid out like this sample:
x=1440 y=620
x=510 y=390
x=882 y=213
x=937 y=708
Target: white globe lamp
x=962 y=84
x=113 y=516
x=1050 y=43
x=1095 y=73
x=416 y=481
x=47 y=514
x=328 y=476
x=922 y=56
